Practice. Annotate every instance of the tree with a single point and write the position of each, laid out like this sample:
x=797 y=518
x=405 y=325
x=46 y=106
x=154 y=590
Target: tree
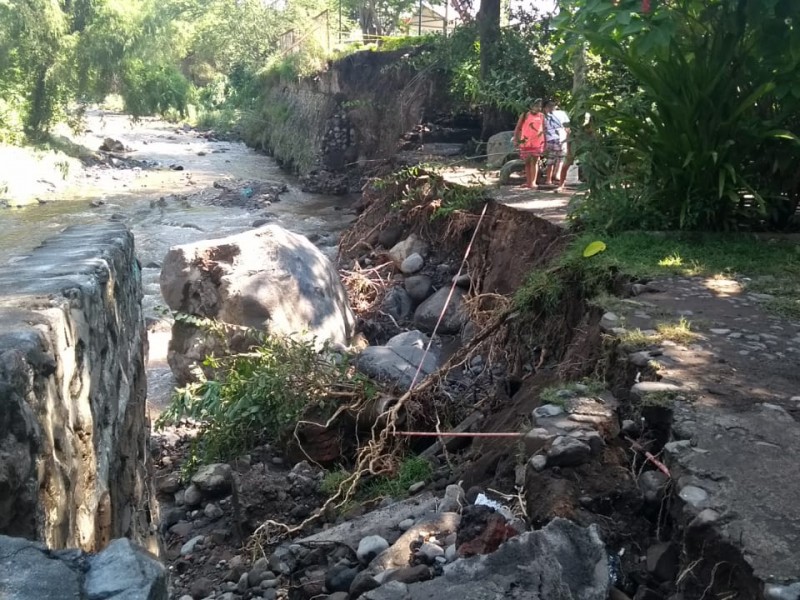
x=489 y=35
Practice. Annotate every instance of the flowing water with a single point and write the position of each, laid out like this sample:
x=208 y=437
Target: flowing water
x=185 y=215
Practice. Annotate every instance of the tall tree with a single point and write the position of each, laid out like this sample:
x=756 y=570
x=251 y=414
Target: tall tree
x=489 y=35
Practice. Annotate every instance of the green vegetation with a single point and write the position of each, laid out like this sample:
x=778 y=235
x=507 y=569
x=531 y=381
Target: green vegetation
x=260 y=395
x=411 y=470
x=554 y=394
x=679 y=332
x=695 y=123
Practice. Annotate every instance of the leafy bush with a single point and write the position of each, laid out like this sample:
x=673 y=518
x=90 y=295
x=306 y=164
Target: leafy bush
x=149 y=89
x=704 y=138
x=260 y=395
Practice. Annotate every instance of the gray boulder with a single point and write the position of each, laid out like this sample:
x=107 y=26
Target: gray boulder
x=559 y=562
x=411 y=245
x=498 y=148
x=419 y=287
x=122 y=571
x=398 y=303
x=412 y=264
x=397 y=362
x=428 y=312
x=213 y=478
x=268 y=279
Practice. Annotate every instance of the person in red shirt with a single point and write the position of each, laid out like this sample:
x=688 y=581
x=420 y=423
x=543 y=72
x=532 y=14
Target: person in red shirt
x=529 y=137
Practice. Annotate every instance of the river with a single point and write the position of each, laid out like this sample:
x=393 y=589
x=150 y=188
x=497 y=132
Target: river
x=185 y=214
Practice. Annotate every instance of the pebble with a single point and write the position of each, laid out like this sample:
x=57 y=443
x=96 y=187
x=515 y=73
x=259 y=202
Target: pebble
x=412 y=264
x=717 y=331
x=267 y=584
x=538 y=462
x=269 y=594
x=405 y=524
x=450 y=554
x=370 y=546
x=609 y=321
x=186 y=597
x=415 y=487
x=192 y=496
x=190 y=546
x=243 y=583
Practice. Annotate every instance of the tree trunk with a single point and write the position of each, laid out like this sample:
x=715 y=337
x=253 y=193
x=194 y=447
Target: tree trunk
x=489 y=34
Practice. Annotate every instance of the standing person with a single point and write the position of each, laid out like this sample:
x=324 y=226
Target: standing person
x=530 y=138
x=556 y=136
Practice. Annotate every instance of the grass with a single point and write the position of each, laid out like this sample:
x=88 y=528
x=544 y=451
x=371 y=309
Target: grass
x=679 y=332
x=774 y=266
x=411 y=470
x=552 y=394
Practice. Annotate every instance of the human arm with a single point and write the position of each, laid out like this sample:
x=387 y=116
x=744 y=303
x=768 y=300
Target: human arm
x=518 y=130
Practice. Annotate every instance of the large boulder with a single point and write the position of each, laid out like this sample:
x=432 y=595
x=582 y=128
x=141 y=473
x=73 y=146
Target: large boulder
x=455 y=315
x=498 y=148
x=562 y=561
x=398 y=361
x=122 y=571
x=268 y=279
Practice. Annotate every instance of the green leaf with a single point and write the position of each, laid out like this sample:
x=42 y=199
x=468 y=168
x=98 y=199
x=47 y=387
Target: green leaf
x=594 y=248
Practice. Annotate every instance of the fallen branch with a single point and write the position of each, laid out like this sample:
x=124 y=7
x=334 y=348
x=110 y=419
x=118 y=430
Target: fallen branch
x=658 y=464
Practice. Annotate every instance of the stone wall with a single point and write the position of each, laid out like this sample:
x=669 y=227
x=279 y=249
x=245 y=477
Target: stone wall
x=73 y=426
x=353 y=112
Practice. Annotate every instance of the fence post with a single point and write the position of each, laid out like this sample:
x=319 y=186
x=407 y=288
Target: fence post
x=419 y=26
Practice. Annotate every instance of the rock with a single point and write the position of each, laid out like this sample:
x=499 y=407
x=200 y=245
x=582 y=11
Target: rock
x=212 y=511
x=561 y=561
x=363 y=582
x=427 y=313
x=112 y=145
x=74 y=435
x=405 y=524
x=568 y=451
x=268 y=279
x=340 y=578
x=370 y=547
x=419 y=287
x=430 y=551
x=282 y=560
x=663 y=561
x=640 y=359
x=214 y=478
x=463 y=281
x=693 y=496
x=394 y=590
x=536 y=439
x=169 y=483
x=201 y=587
x=782 y=592
x=538 y=462
x=411 y=245
x=547 y=410
x=450 y=553
x=193 y=496
x=484 y=531
x=398 y=304
x=124 y=570
x=171 y=516
x=409 y=574
x=412 y=264
x=653 y=387
x=609 y=321
x=719 y=331
x=390 y=236
x=498 y=148
x=454 y=499
x=416 y=487
x=339 y=596
x=190 y=546
x=653 y=486
x=243 y=583
x=399 y=360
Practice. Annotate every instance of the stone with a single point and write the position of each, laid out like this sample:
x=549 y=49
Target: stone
x=193 y=496
x=363 y=582
x=663 y=561
x=123 y=570
x=454 y=499
x=405 y=524
x=398 y=303
x=268 y=279
x=401 y=554
x=214 y=478
x=169 y=483
x=640 y=359
x=561 y=561
x=609 y=321
x=411 y=245
x=339 y=578
x=416 y=487
x=463 y=281
x=201 y=587
x=394 y=590
x=397 y=363
x=568 y=451
x=536 y=439
x=419 y=287
x=269 y=594
x=212 y=511
x=498 y=148
x=339 y=596
x=190 y=546
x=653 y=485
x=370 y=547
x=427 y=313
x=412 y=264
x=719 y=331
x=782 y=592
x=409 y=574
x=450 y=553
x=538 y=462
x=73 y=428
x=243 y=583
x=653 y=387
x=547 y=410
x=282 y=560
x=431 y=551
x=693 y=496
